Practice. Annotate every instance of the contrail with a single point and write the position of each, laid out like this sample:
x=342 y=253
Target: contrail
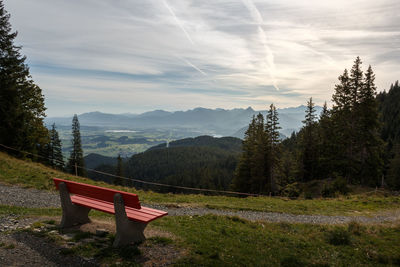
x=256 y=15
x=191 y=65
x=178 y=22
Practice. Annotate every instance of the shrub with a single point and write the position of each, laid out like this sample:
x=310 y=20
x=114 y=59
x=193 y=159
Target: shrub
x=291 y=190
x=338 y=236
x=338 y=186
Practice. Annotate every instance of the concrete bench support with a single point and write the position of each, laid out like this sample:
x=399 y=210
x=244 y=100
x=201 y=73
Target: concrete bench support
x=128 y=231
x=72 y=214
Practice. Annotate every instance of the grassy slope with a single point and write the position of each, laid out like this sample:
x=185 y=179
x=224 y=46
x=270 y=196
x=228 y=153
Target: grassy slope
x=229 y=241
x=28 y=174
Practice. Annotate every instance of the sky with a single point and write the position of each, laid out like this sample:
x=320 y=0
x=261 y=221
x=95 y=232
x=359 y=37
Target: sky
x=131 y=56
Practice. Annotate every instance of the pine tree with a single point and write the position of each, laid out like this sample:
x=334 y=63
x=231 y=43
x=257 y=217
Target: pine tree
x=119 y=172
x=258 y=157
x=370 y=144
x=309 y=154
x=56 y=156
x=325 y=144
x=21 y=101
x=242 y=179
x=273 y=151
x=342 y=140
x=76 y=162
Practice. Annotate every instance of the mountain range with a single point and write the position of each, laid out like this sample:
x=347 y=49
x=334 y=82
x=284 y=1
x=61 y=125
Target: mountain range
x=216 y=122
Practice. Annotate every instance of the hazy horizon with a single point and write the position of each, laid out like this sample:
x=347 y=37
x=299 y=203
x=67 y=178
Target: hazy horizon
x=173 y=110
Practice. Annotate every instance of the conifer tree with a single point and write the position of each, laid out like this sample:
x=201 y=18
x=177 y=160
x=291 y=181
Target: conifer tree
x=370 y=144
x=242 y=179
x=272 y=131
x=260 y=157
x=309 y=154
x=21 y=101
x=76 y=162
x=56 y=156
x=325 y=144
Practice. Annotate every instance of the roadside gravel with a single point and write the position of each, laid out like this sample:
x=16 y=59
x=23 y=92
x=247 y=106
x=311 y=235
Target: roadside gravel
x=18 y=196
x=29 y=198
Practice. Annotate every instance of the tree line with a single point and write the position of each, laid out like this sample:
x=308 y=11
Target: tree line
x=354 y=142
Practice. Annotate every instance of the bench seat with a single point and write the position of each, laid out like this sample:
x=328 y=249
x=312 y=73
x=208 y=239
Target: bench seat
x=144 y=214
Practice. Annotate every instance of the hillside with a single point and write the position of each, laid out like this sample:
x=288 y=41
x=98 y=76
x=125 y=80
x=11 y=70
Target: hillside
x=204 y=162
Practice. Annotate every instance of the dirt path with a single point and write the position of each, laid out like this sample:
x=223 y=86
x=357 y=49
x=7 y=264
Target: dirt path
x=18 y=196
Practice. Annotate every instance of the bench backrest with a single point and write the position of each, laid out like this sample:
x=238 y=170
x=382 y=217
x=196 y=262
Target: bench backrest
x=101 y=193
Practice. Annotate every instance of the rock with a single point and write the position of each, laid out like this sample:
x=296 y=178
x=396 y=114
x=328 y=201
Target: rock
x=67 y=236
x=101 y=232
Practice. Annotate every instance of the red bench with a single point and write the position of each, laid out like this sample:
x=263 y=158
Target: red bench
x=131 y=218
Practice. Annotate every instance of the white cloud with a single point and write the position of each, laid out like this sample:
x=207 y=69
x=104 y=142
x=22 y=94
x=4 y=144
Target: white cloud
x=183 y=54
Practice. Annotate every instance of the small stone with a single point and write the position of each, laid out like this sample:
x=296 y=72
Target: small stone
x=66 y=237
x=70 y=243
x=54 y=232
x=101 y=232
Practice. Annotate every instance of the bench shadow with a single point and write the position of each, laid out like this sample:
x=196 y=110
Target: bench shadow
x=50 y=250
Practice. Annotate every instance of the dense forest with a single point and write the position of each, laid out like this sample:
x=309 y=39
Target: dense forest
x=201 y=162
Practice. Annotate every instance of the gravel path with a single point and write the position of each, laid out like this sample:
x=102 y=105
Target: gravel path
x=29 y=198
x=18 y=196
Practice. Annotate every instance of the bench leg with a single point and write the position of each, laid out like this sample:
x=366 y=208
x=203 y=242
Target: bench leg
x=72 y=214
x=128 y=231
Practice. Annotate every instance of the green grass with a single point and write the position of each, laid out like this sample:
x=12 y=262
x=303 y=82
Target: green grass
x=231 y=241
x=224 y=241
x=34 y=175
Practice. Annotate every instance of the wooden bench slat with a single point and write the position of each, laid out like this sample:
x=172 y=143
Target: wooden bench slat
x=95 y=202
x=96 y=192
x=144 y=214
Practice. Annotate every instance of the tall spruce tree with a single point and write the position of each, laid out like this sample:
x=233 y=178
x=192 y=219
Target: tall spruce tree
x=370 y=145
x=242 y=179
x=309 y=154
x=273 y=150
x=358 y=147
x=21 y=101
x=76 y=163
x=325 y=144
x=56 y=156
